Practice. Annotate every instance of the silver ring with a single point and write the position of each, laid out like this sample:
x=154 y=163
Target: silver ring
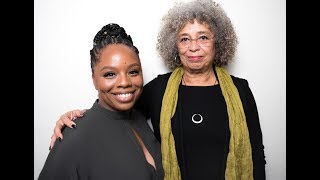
x=196 y=122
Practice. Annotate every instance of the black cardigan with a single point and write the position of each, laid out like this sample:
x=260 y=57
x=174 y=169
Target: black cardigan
x=151 y=100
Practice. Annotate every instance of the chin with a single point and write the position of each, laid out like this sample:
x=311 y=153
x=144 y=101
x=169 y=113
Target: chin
x=196 y=68
x=125 y=107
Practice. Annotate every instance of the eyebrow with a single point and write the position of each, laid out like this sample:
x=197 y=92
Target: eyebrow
x=199 y=32
x=135 y=64
x=111 y=67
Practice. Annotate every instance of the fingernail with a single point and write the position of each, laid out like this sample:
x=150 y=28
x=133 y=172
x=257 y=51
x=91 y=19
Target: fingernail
x=59 y=139
x=49 y=148
x=73 y=126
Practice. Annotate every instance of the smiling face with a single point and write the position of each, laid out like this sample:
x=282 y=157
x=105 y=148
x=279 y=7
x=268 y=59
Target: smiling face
x=118 y=77
x=197 y=55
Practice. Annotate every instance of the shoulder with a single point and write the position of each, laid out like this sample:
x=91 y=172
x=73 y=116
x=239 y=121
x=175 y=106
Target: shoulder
x=161 y=78
x=244 y=90
x=85 y=124
x=239 y=80
x=72 y=136
x=242 y=85
x=158 y=84
x=165 y=75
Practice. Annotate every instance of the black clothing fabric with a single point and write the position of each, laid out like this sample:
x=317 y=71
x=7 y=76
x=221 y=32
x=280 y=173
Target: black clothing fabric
x=210 y=142
x=206 y=139
x=104 y=146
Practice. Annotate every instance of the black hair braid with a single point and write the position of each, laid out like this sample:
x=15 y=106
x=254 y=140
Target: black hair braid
x=109 y=34
x=113 y=31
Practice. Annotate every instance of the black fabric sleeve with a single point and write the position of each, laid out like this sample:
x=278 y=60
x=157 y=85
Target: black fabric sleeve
x=255 y=133
x=60 y=163
x=150 y=101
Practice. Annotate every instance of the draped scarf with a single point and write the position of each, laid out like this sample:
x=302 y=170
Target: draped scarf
x=239 y=164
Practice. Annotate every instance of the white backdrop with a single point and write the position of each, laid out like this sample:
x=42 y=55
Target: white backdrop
x=64 y=30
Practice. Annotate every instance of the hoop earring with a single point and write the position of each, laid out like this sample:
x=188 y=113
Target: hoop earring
x=177 y=58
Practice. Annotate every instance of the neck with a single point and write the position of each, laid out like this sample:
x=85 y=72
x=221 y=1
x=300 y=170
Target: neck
x=207 y=78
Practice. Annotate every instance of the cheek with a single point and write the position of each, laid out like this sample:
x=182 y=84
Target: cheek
x=138 y=81
x=105 y=85
x=182 y=51
x=209 y=50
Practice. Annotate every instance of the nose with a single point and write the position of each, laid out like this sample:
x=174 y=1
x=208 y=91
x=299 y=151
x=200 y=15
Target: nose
x=194 y=46
x=124 y=81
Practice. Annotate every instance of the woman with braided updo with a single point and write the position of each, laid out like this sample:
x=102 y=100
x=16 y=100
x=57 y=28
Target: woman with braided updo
x=112 y=141
x=206 y=119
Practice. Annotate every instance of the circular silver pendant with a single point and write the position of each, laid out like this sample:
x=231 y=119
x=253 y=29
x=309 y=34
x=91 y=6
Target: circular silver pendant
x=196 y=121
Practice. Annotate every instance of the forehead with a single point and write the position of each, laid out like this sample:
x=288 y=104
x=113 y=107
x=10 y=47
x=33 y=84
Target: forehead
x=195 y=27
x=118 y=52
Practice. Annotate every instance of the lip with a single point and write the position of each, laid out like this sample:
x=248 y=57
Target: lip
x=194 y=58
x=124 y=97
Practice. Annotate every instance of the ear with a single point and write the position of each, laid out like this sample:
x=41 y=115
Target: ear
x=94 y=80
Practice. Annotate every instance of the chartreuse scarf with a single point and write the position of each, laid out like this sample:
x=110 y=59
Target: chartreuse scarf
x=239 y=162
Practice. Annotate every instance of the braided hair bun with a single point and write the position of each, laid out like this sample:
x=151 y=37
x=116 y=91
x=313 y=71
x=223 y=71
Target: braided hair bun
x=113 y=31
x=109 y=34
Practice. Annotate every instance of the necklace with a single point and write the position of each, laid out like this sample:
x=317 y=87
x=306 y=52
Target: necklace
x=197 y=118
x=196 y=121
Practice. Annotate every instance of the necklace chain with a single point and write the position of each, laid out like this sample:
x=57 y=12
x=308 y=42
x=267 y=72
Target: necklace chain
x=199 y=116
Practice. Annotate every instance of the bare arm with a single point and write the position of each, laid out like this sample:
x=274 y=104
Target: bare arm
x=65 y=120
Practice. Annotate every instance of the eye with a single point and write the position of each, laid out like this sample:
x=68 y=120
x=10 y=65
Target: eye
x=184 y=39
x=134 y=72
x=203 y=38
x=109 y=74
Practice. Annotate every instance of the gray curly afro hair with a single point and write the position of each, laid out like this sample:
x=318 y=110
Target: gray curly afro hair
x=204 y=11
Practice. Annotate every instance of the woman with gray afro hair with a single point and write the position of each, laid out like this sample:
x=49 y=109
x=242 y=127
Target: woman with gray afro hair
x=206 y=119
x=204 y=11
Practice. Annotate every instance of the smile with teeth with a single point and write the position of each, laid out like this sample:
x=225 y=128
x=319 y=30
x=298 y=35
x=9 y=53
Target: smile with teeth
x=126 y=97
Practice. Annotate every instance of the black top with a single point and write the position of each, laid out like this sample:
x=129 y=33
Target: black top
x=202 y=148
x=103 y=146
x=204 y=124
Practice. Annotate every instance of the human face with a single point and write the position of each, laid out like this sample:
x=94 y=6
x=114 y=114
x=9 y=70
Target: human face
x=197 y=56
x=118 y=77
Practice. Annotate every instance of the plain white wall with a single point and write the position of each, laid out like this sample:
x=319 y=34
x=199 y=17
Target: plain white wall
x=64 y=30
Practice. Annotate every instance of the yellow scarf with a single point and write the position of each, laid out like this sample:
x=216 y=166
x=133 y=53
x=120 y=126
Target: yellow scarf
x=239 y=161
